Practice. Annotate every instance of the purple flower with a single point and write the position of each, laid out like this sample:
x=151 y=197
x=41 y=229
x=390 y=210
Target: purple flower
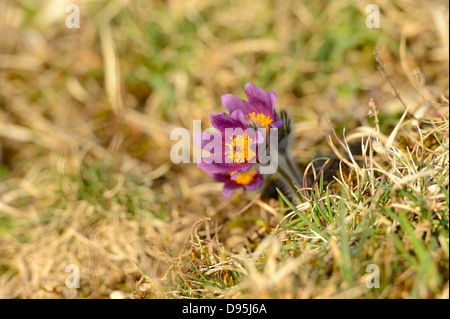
x=250 y=180
x=233 y=148
x=259 y=110
x=233 y=159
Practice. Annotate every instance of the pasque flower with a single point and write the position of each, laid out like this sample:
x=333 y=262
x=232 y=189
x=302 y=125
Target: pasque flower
x=259 y=110
x=234 y=159
x=250 y=180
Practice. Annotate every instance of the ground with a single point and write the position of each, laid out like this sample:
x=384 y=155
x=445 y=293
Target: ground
x=87 y=183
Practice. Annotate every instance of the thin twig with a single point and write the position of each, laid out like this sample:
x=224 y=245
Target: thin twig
x=383 y=70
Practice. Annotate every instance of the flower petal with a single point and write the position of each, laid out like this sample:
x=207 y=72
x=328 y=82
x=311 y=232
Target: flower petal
x=233 y=103
x=276 y=124
x=223 y=121
x=238 y=115
x=257 y=182
x=258 y=98
x=221 y=168
x=227 y=190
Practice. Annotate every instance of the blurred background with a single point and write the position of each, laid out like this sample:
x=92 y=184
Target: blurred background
x=86 y=114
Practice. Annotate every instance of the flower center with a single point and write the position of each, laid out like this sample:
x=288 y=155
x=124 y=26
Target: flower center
x=245 y=178
x=261 y=119
x=239 y=149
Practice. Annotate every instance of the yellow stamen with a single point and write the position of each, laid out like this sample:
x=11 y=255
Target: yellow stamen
x=245 y=178
x=244 y=153
x=261 y=119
